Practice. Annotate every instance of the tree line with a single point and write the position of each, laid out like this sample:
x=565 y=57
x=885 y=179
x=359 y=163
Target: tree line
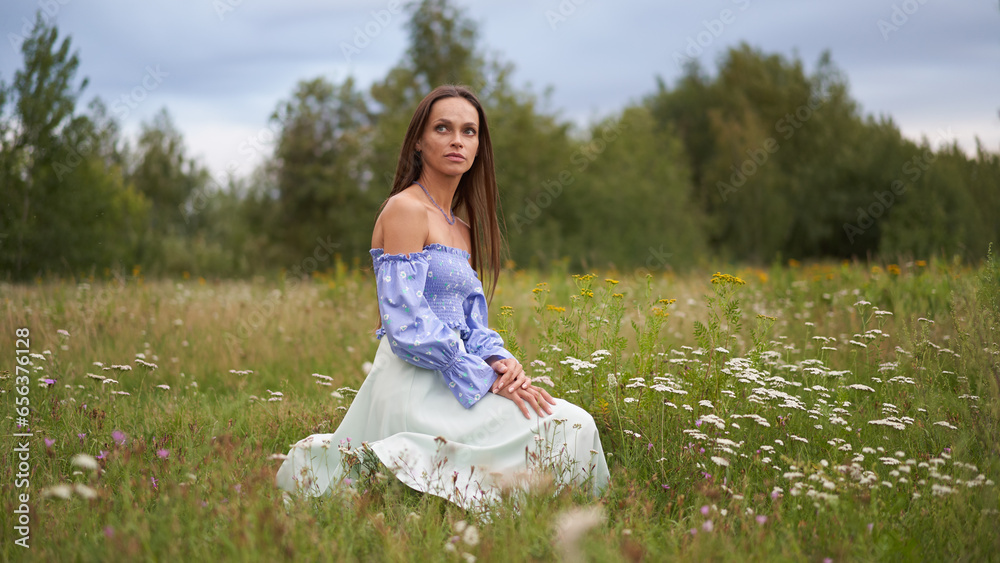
x=756 y=161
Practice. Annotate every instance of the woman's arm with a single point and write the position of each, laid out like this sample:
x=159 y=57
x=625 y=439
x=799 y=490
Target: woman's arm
x=489 y=345
x=417 y=336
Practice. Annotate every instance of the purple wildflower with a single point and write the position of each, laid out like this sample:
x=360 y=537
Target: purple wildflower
x=163 y=453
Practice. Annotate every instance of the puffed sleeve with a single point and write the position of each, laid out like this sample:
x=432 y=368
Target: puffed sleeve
x=482 y=341
x=417 y=335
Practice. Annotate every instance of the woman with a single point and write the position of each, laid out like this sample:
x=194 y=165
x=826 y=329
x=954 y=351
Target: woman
x=445 y=406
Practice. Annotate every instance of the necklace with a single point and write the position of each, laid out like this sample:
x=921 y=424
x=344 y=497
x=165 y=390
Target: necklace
x=450 y=221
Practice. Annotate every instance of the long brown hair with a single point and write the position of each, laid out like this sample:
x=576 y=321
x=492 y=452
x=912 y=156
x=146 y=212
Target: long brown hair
x=477 y=194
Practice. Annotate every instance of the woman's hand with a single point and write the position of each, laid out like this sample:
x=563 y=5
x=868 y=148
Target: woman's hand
x=536 y=397
x=511 y=374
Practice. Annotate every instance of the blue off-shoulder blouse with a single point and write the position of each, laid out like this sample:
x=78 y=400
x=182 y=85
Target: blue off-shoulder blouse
x=422 y=296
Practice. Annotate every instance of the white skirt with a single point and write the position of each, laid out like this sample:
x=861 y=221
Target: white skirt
x=409 y=418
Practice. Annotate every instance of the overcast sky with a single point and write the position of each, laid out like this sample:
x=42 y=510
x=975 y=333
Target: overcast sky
x=221 y=66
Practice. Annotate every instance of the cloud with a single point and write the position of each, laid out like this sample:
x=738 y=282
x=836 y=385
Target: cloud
x=229 y=69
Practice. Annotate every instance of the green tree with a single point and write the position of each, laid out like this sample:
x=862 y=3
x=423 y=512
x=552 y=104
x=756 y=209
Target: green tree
x=165 y=175
x=779 y=158
x=632 y=181
x=64 y=206
x=530 y=147
x=321 y=170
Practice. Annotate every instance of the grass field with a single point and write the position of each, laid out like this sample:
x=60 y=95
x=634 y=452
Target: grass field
x=804 y=412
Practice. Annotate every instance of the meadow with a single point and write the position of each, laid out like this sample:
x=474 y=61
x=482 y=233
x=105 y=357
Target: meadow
x=803 y=412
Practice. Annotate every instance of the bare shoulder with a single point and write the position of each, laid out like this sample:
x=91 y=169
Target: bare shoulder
x=404 y=224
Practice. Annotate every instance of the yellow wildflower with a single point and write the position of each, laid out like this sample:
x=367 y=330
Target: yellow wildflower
x=719 y=277
x=618 y=295
x=611 y=281
x=876 y=270
x=556 y=309
x=893 y=269
x=759 y=316
x=187 y=275
x=921 y=263
x=667 y=301
x=793 y=263
x=537 y=290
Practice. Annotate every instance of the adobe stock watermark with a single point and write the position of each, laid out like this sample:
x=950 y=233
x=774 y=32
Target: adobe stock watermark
x=656 y=260
x=130 y=100
x=259 y=143
x=899 y=17
x=757 y=157
x=563 y=11
x=223 y=7
x=49 y=10
x=911 y=170
x=363 y=35
x=266 y=308
x=696 y=44
x=75 y=156
x=552 y=189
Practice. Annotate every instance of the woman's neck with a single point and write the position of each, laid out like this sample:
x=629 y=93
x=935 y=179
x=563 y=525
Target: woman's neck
x=442 y=188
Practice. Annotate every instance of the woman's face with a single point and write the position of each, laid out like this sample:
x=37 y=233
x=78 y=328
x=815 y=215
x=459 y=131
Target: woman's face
x=450 y=140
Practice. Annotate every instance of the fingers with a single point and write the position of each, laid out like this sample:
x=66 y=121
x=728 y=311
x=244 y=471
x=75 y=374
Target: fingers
x=547 y=400
x=532 y=399
x=505 y=376
x=520 y=378
x=545 y=395
x=512 y=376
x=522 y=381
x=518 y=399
x=521 y=405
x=541 y=406
x=536 y=400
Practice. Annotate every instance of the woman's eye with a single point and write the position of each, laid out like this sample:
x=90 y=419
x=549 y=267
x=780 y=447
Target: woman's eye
x=441 y=128
x=470 y=131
